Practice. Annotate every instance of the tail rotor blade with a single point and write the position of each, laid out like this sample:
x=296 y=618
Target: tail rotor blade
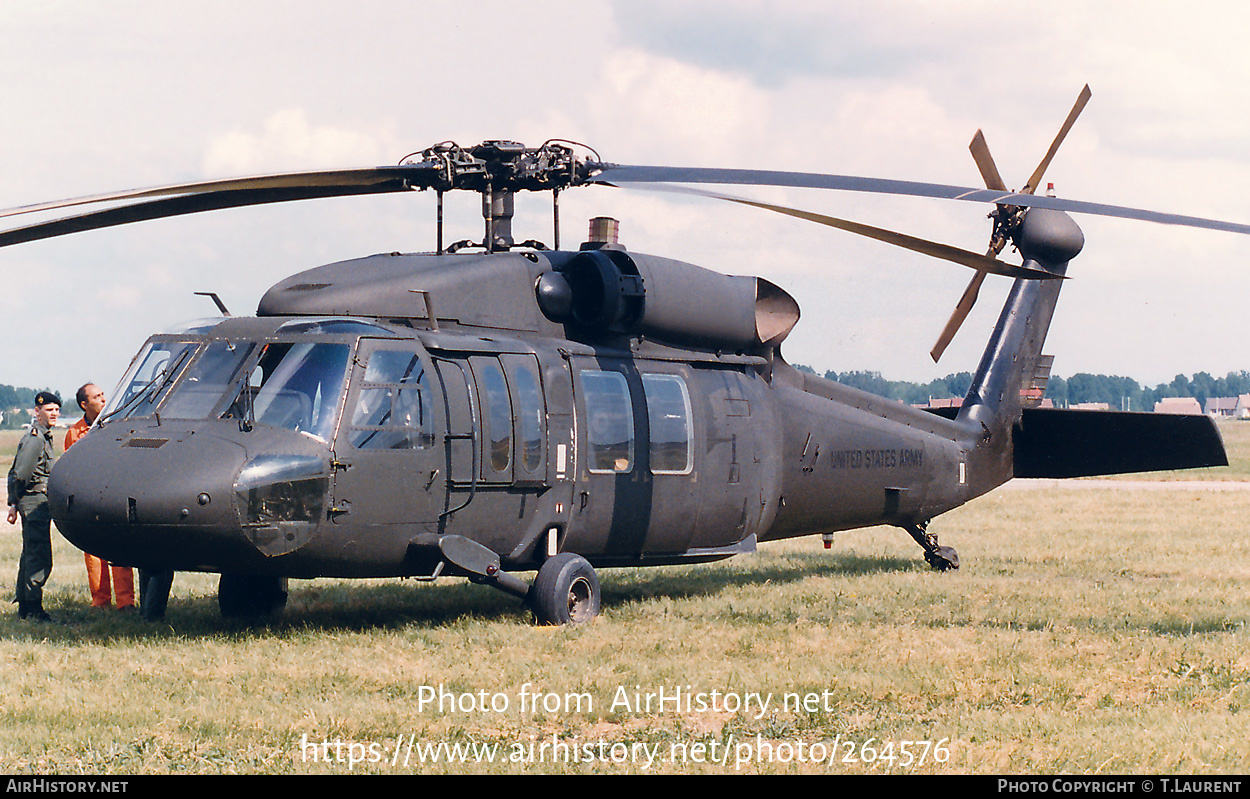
x=994 y=180
x=1036 y=178
x=985 y=163
x=962 y=309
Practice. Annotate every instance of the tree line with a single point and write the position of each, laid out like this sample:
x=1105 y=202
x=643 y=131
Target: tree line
x=16 y=402
x=1123 y=393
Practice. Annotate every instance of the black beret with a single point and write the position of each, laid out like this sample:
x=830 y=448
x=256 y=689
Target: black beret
x=46 y=398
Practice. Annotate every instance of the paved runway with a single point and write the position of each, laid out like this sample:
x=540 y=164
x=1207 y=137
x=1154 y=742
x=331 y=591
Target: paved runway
x=1140 y=485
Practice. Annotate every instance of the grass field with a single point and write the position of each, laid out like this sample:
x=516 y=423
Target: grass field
x=1093 y=631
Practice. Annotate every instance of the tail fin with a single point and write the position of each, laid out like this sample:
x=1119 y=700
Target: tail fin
x=1005 y=375
x=1004 y=381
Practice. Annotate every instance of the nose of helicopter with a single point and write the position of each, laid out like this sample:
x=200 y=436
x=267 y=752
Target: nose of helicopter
x=154 y=498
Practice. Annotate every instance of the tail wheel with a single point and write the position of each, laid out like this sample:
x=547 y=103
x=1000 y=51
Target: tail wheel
x=943 y=558
x=566 y=591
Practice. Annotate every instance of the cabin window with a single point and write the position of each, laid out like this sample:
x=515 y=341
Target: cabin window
x=529 y=417
x=668 y=414
x=498 y=413
x=609 y=422
x=393 y=409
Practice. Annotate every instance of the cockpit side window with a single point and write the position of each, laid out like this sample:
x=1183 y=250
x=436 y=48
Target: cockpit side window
x=394 y=409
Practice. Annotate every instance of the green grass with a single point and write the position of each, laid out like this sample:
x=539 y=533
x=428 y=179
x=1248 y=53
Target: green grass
x=1094 y=631
x=1237 y=444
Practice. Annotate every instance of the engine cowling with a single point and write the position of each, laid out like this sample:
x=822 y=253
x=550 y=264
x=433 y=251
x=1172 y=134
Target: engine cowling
x=611 y=291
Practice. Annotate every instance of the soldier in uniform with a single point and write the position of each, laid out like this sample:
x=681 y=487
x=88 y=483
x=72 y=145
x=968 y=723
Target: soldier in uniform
x=28 y=498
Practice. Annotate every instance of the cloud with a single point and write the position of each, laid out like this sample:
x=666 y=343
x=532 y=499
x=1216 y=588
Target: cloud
x=649 y=103
x=749 y=37
x=287 y=140
x=121 y=297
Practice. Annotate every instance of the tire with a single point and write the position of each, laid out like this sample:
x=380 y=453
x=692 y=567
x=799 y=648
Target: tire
x=943 y=559
x=566 y=591
x=245 y=596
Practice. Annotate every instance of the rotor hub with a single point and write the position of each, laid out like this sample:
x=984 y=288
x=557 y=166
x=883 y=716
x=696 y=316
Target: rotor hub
x=503 y=166
x=1051 y=238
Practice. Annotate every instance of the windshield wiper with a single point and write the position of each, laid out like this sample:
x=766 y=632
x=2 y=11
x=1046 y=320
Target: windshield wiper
x=153 y=388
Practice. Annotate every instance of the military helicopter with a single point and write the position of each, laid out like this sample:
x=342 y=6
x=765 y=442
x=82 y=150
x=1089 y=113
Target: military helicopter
x=494 y=408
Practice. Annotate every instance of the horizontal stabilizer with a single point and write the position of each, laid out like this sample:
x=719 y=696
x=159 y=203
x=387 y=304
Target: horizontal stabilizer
x=1054 y=442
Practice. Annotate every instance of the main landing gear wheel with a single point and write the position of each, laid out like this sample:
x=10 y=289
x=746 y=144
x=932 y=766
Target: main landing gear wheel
x=566 y=591
x=246 y=596
x=939 y=557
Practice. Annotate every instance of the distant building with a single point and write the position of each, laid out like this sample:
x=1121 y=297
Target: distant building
x=944 y=402
x=1229 y=407
x=1090 y=406
x=1182 y=405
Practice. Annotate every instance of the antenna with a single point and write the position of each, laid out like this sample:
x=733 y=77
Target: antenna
x=221 y=306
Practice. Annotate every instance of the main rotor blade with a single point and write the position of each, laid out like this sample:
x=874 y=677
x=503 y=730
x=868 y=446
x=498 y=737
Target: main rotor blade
x=328 y=179
x=1036 y=178
x=189 y=204
x=962 y=309
x=620 y=174
x=985 y=163
x=982 y=263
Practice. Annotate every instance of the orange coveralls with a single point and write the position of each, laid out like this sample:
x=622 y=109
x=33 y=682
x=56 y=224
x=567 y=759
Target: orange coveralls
x=123 y=582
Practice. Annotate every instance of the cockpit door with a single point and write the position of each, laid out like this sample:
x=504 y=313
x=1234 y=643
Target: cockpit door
x=387 y=463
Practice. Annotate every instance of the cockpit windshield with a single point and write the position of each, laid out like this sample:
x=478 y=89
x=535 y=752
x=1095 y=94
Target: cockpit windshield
x=293 y=385
x=150 y=374
x=213 y=373
x=297 y=387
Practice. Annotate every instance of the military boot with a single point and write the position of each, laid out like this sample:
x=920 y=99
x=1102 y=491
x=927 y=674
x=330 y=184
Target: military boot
x=35 y=612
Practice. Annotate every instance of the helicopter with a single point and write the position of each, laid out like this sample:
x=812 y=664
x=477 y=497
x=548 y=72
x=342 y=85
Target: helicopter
x=496 y=407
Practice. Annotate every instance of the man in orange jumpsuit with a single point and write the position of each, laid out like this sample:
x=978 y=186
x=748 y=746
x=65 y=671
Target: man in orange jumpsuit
x=91 y=399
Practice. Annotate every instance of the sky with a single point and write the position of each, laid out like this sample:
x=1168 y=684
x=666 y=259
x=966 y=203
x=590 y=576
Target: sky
x=100 y=97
